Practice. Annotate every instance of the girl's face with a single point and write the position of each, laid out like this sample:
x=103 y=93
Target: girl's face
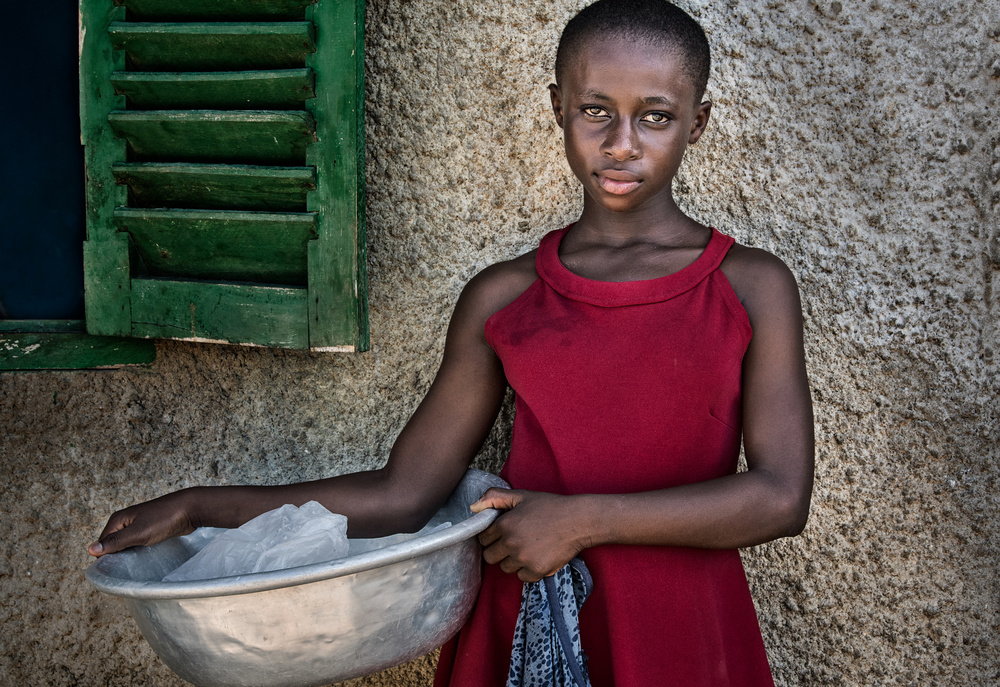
x=628 y=110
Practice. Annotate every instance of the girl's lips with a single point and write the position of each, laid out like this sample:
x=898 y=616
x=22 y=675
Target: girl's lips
x=617 y=183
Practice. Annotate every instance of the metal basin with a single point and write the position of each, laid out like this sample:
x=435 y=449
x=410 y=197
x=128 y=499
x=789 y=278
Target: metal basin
x=311 y=625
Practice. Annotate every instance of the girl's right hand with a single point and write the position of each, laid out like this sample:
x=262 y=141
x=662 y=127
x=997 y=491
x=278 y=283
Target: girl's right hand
x=145 y=524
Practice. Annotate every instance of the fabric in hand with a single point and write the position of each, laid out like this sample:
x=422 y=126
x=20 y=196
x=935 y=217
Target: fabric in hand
x=547 y=650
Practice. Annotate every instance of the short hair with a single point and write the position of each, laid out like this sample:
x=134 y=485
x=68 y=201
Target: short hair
x=653 y=21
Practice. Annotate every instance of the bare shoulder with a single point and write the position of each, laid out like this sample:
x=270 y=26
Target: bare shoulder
x=497 y=286
x=762 y=282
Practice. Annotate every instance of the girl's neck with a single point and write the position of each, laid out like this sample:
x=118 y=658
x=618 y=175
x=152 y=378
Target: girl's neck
x=660 y=223
x=644 y=243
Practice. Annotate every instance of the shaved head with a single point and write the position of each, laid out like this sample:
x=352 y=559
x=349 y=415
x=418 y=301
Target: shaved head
x=654 y=22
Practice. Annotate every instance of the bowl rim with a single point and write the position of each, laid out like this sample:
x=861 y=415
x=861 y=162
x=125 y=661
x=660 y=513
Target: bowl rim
x=454 y=535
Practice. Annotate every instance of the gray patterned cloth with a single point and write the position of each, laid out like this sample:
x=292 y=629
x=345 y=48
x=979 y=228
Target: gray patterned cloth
x=547 y=650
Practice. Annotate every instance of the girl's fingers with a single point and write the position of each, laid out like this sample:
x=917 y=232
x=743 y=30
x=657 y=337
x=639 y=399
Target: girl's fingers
x=488 y=536
x=495 y=497
x=526 y=575
x=117 y=521
x=513 y=541
x=119 y=539
x=494 y=553
x=509 y=565
x=106 y=541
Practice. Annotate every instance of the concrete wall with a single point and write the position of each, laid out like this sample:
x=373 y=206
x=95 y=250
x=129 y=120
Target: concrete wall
x=855 y=140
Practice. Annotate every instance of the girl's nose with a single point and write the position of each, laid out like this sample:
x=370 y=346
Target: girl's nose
x=622 y=142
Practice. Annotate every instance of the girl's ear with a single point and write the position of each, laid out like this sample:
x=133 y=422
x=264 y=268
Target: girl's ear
x=700 y=121
x=557 y=108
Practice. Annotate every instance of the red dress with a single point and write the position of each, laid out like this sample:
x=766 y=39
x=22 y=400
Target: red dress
x=626 y=387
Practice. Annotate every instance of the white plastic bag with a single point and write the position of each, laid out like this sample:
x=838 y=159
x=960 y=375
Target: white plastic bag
x=286 y=537
x=365 y=545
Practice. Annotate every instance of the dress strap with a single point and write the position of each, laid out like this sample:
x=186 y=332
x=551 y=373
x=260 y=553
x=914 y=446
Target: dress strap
x=615 y=294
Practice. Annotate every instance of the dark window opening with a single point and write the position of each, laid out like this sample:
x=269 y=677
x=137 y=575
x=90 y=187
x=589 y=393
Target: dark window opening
x=42 y=223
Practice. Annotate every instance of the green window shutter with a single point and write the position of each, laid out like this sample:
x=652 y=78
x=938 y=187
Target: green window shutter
x=224 y=154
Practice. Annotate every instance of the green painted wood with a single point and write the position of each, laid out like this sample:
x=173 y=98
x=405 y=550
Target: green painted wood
x=217 y=46
x=28 y=345
x=105 y=254
x=106 y=286
x=267 y=137
x=192 y=147
x=245 y=10
x=362 y=342
x=204 y=186
x=221 y=245
x=43 y=326
x=220 y=313
x=256 y=90
x=337 y=316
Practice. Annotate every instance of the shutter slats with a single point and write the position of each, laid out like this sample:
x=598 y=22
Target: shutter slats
x=272 y=90
x=242 y=221
x=213 y=46
x=166 y=10
x=273 y=137
x=220 y=312
x=258 y=247
x=222 y=187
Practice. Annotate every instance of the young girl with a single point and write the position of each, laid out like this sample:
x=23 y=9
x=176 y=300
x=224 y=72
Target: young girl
x=640 y=344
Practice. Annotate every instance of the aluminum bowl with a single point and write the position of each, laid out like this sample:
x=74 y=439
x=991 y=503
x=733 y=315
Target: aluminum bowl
x=310 y=625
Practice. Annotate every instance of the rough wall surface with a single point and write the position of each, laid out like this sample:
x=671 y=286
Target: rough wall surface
x=858 y=141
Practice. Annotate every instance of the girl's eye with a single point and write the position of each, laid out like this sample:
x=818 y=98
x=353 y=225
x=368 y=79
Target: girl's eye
x=656 y=118
x=593 y=111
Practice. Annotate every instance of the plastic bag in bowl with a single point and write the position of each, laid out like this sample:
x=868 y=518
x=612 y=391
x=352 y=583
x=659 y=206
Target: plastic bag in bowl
x=285 y=537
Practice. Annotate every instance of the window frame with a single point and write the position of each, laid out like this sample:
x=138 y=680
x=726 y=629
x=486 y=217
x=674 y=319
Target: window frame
x=38 y=345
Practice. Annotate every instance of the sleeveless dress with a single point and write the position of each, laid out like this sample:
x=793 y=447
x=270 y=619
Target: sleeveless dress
x=624 y=387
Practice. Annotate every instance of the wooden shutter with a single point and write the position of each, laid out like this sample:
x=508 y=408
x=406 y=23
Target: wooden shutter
x=224 y=155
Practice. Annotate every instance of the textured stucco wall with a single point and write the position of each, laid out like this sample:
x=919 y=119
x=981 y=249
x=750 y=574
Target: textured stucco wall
x=855 y=140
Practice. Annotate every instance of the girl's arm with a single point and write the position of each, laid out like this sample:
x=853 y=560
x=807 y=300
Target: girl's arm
x=426 y=462
x=541 y=532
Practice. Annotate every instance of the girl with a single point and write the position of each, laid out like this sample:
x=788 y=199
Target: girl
x=640 y=344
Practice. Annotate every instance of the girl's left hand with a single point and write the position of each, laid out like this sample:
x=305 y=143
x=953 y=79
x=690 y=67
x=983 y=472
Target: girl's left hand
x=539 y=533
